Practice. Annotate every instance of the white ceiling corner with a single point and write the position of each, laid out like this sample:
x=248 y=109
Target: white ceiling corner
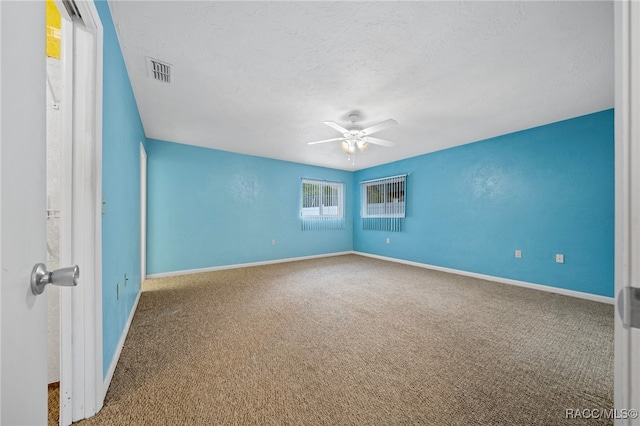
x=259 y=78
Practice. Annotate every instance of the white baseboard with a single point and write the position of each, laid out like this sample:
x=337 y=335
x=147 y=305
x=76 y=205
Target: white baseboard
x=116 y=356
x=245 y=265
x=550 y=289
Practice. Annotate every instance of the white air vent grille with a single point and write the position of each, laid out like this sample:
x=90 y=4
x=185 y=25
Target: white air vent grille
x=159 y=70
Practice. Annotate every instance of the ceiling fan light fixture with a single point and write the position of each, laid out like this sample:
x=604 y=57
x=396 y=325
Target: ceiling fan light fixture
x=348 y=147
x=362 y=145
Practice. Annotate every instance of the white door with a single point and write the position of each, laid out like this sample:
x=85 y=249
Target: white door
x=23 y=318
x=627 y=266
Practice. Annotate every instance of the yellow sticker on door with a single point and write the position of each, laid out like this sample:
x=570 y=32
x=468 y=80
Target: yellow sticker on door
x=54 y=21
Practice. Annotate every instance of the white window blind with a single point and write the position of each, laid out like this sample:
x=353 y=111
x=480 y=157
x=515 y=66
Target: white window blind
x=383 y=203
x=322 y=205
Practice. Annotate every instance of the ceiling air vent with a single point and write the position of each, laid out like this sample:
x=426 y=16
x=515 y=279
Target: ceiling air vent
x=159 y=70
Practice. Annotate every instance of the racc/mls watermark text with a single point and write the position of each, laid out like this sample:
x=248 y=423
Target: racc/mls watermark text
x=600 y=413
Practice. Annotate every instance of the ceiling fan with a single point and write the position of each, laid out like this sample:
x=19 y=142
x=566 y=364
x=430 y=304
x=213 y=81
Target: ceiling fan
x=355 y=136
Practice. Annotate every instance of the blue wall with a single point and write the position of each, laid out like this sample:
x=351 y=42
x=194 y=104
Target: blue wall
x=122 y=133
x=544 y=191
x=211 y=208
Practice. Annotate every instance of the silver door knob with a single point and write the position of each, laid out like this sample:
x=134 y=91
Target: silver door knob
x=40 y=277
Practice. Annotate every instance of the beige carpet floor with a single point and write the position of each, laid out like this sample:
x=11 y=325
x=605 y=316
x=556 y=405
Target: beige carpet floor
x=53 y=404
x=351 y=340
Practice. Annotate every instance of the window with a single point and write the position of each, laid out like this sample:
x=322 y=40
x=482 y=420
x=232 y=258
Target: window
x=322 y=205
x=383 y=203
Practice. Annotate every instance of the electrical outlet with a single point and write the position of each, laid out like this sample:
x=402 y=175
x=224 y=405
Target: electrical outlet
x=273 y=242
x=388 y=240
x=518 y=254
x=559 y=258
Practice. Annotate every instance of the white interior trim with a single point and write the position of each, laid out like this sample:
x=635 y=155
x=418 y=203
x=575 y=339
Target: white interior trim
x=97 y=207
x=626 y=390
x=81 y=308
x=143 y=213
x=1 y=286
x=549 y=289
x=245 y=265
x=119 y=346
x=66 y=184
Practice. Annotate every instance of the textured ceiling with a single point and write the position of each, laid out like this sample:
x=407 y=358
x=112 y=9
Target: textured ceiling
x=260 y=77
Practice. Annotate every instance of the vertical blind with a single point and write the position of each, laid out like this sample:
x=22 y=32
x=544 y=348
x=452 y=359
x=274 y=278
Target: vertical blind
x=383 y=203
x=322 y=205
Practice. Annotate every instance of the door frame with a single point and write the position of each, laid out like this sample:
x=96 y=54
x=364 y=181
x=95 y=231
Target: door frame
x=143 y=213
x=627 y=201
x=81 y=379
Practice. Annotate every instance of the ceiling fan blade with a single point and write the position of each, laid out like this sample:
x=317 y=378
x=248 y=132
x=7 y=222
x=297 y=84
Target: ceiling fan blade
x=380 y=126
x=336 y=126
x=326 y=140
x=378 y=141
